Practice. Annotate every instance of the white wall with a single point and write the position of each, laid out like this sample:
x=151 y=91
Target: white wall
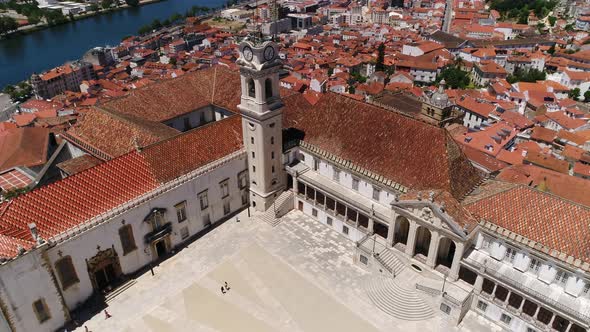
x=24 y=281
x=106 y=235
x=365 y=188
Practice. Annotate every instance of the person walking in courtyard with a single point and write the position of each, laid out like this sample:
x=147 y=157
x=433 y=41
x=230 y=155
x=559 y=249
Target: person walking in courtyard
x=226 y=285
x=222 y=290
x=107 y=315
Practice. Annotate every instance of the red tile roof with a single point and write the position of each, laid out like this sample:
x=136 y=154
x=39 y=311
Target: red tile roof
x=23 y=147
x=563 y=185
x=407 y=151
x=14 y=179
x=64 y=204
x=547 y=219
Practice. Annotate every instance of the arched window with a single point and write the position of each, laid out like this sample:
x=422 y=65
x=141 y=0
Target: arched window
x=251 y=88
x=268 y=88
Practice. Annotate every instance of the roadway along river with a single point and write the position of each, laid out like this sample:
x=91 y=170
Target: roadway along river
x=20 y=56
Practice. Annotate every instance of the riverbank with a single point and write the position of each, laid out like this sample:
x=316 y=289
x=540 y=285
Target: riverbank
x=41 y=26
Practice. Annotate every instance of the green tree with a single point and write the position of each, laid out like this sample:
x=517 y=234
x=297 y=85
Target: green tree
x=106 y=4
x=574 y=93
x=7 y=24
x=587 y=96
x=173 y=61
x=380 y=65
x=156 y=24
x=132 y=3
x=93 y=8
x=530 y=75
x=454 y=77
x=175 y=17
x=144 y=30
x=551 y=50
x=552 y=20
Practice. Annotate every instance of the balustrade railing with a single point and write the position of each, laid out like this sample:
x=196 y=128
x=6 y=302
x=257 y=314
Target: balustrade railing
x=529 y=291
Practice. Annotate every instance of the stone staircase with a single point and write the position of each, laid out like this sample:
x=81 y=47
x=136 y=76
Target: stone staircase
x=117 y=291
x=282 y=205
x=396 y=300
x=388 y=259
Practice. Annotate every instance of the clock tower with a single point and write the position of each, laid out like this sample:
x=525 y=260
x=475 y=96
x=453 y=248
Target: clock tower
x=261 y=108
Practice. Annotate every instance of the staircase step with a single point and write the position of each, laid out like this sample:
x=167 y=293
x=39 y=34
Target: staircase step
x=396 y=300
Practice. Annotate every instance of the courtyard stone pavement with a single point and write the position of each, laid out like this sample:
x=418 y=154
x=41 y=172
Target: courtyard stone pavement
x=297 y=276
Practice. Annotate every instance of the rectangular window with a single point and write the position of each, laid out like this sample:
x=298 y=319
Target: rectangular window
x=251 y=140
x=530 y=329
x=355 y=184
x=224 y=188
x=561 y=277
x=329 y=221
x=41 y=310
x=509 y=255
x=364 y=259
x=505 y=319
x=534 y=266
x=345 y=230
x=482 y=306
x=376 y=193
x=272 y=155
x=66 y=272
x=127 y=239
x=336 y=175
x=226 y=209
x=180 y=211
x=203 y=200
x=243 y=179
x=316 y=164
x=445 y=308
x=206 y=220
x=314 y=212
x=184 y=232
x=253 y=155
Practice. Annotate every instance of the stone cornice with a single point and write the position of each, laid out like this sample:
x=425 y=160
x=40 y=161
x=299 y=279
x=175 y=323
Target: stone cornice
x=353 y=168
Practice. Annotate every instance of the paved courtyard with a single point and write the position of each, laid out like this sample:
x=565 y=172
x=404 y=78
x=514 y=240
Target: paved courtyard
x=297 y=276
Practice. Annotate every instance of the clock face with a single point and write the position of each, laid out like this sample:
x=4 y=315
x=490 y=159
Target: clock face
x=269 y=53
x=247 y=51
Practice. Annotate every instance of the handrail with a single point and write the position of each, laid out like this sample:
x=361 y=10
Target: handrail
x=543 y=298
x=427 y=289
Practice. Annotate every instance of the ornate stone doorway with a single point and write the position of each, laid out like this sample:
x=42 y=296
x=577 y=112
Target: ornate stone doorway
x=104 y=269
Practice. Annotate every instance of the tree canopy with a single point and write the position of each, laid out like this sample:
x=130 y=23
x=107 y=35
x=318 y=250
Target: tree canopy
x=7 y=24
x=454 y=77
x=523 y=75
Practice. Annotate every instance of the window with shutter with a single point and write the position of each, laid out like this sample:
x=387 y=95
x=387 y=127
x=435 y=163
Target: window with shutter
x=127 y=239
x=66 y=272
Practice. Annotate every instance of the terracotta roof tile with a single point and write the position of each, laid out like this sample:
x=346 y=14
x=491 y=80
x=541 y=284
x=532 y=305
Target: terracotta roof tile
x=541 y=217
x=404 y=150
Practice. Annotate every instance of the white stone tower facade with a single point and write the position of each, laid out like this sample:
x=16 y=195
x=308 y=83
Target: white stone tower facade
x=261 y=108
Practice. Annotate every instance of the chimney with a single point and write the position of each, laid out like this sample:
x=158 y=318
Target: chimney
x=35 y=233
x=524 y=153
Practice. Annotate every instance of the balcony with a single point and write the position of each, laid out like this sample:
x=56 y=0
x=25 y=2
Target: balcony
x=158 y=233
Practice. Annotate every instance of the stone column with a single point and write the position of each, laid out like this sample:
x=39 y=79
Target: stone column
x=567 y=329
x=411 y=238
x=550 y=325
x=478 y=284
x=433 y=249
x=537 y=311
x=390 y=231
x=295 y=190
x=454 y=274
x=370 y=226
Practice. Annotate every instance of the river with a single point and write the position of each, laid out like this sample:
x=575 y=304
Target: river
x=22 y=55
